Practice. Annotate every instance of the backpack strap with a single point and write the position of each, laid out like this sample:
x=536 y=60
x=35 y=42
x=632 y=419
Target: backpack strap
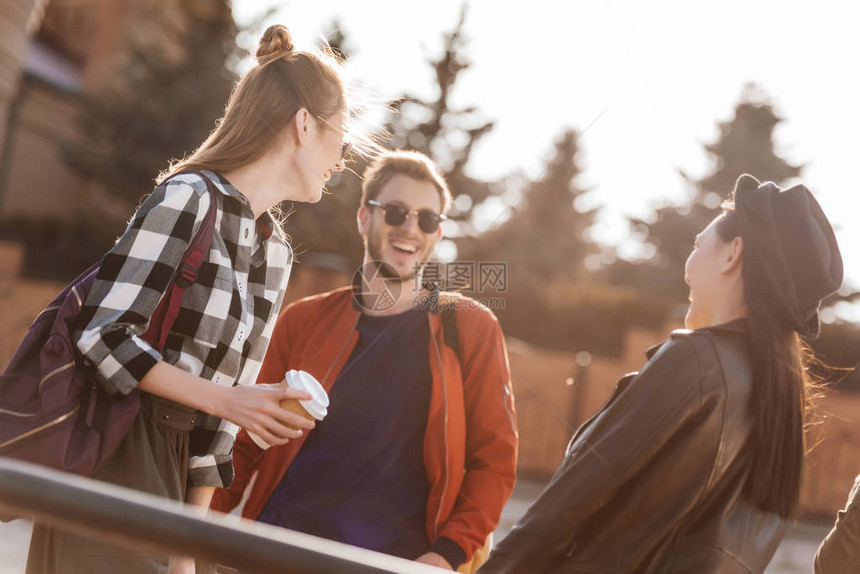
x=449 y=330
x=168 y=309
x=446 y=305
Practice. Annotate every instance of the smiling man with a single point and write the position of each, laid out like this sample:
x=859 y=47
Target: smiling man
x=417 y=454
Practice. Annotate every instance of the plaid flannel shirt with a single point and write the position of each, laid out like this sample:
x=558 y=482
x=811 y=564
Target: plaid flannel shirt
x=226 y=318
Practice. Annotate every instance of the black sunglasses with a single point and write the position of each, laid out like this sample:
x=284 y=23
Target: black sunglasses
x=395 y=215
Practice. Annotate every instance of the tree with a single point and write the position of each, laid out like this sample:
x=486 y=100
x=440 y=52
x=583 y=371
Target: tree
x=171 y=84
x=551 y=299
x=545 y=237
x=337 y=41
x=745 y=145
x=431 y=126
x=448 y=135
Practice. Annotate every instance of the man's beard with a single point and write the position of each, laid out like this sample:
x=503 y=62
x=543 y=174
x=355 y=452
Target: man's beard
x=386 y=270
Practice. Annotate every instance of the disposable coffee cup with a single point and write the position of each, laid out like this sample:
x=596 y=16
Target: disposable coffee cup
x=314 y=408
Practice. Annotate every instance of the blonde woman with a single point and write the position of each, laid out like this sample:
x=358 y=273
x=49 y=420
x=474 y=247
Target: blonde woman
x=281 y=138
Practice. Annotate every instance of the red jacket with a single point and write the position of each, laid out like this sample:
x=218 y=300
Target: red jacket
x=470 y=446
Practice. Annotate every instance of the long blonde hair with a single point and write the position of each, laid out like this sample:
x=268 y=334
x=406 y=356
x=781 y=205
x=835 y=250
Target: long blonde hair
x=265 y=100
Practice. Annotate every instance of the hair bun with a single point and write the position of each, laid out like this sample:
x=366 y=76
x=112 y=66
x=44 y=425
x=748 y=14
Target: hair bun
x=276 y=42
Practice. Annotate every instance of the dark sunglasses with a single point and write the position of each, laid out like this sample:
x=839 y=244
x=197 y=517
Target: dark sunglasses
x=395 y=215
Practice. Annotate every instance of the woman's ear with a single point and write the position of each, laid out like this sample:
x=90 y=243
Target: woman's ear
x=735 y=256
x=301 y=125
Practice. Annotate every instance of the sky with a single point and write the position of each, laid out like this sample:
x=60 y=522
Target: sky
x=645 y=82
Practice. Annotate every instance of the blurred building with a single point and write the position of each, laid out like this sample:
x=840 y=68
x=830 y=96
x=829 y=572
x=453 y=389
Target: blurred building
x=18 y=19
x=55 y=53
x=56 y=63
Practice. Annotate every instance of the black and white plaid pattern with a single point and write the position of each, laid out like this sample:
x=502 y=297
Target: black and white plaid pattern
x=227 y=316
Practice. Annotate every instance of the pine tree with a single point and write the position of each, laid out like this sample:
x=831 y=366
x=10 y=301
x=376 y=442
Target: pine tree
x=337 y=41
x=448 y=134
x=431 y=126
x=745 y=145
x=544 y=245
x=545 y=237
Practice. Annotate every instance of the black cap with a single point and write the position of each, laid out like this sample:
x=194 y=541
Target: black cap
x=790 y=248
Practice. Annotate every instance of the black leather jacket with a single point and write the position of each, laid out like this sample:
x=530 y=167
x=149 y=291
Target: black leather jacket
x=652 y=482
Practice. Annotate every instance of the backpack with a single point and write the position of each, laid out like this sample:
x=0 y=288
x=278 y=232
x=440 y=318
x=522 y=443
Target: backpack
x=52 y=409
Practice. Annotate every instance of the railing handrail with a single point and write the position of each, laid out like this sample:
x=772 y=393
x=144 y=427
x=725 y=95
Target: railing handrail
x=145 y=522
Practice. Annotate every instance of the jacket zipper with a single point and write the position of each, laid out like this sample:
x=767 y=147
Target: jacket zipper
x=45 y=426
x=16 y=413
x=78 y=297
x=56 y=371
x=445 y=434
x=45 y=310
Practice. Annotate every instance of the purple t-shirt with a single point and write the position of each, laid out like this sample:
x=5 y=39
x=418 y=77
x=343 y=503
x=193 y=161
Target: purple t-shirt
x=360 y=478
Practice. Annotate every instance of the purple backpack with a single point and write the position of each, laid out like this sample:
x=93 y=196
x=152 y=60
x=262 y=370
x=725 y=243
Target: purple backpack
x=52 y=410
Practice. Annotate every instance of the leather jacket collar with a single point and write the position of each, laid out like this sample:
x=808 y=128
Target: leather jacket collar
x=734 y=327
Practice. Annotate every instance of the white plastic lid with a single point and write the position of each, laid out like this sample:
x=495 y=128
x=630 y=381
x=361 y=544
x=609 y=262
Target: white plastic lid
x=317 y=406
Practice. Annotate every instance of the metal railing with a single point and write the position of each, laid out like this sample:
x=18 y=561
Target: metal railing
x=144 y=522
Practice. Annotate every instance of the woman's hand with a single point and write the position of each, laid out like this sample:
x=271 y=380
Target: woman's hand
x=256 y=409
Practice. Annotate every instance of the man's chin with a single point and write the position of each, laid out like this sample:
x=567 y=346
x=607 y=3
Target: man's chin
x=393 y=273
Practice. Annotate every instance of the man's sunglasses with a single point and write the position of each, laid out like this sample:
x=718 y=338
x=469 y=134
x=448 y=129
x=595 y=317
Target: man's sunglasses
x=395 y=215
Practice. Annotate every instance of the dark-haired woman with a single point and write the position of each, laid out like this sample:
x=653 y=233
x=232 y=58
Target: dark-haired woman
x=694 y=464
x=281 y=139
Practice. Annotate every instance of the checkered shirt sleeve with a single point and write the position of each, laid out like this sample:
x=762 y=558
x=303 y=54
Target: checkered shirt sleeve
x=226 y=318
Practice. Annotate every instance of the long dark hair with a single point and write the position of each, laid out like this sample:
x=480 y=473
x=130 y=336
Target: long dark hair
x=781 y=396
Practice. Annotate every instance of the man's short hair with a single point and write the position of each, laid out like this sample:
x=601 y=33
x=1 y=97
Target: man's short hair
x=409 y=163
